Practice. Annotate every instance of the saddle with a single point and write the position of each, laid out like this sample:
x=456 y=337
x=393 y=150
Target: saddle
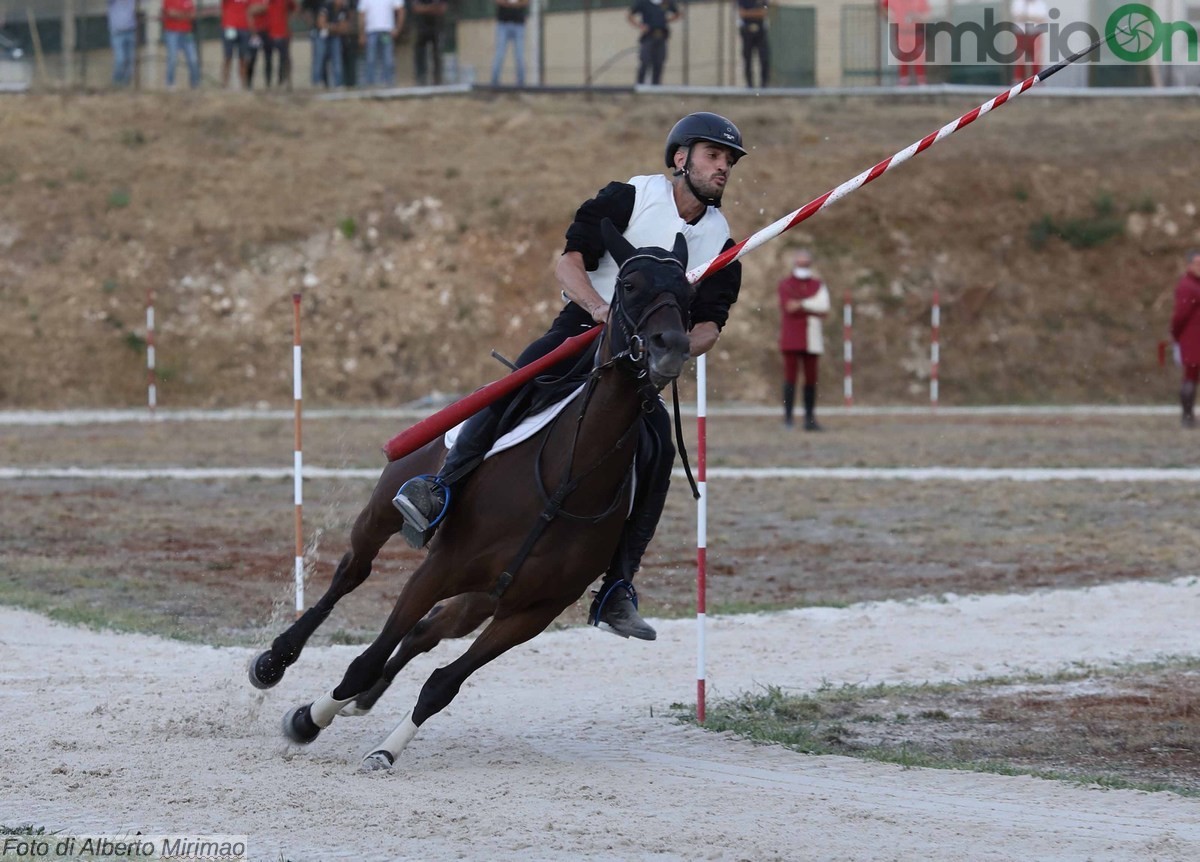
x=536 y=405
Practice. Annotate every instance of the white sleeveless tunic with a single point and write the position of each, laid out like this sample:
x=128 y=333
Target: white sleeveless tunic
x=654 y=222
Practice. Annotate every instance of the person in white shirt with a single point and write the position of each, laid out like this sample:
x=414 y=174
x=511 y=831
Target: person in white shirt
x=379 y=25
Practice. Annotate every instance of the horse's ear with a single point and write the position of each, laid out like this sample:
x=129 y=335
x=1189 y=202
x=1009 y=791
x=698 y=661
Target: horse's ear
x=619 y=247
x=680 y=249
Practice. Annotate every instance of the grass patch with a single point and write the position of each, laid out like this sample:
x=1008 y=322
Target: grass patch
x=1104 y=224
x=1129 y=727
x=118 y=199
x=74 y=610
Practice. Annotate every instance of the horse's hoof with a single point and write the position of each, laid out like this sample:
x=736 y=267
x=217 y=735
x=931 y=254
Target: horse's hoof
x=352 y=709
x=377 y=761
x=299 y=727
x=265 y=671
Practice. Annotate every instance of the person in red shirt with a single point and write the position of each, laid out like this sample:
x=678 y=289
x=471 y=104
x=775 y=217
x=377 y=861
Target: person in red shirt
x=906 y=37
x=235 y=26
x=276 y=36
x=1185 y=330
x=803 y=304
x=178 y=21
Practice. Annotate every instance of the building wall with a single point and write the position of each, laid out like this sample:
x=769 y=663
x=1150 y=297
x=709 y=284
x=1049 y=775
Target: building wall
x=599 y=46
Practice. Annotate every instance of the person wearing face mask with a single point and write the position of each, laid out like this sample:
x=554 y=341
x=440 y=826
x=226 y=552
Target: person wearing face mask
x=803 y=304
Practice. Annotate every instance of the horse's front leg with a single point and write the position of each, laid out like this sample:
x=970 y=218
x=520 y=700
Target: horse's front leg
x=453 y=618
x=376 y=523
x=443 y=684
x=424 y=589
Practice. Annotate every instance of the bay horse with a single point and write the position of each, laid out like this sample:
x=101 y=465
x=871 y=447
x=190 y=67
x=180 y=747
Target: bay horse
x=529 y=530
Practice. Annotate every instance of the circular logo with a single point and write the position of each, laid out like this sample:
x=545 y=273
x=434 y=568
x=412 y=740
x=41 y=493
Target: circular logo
x=1134 y=32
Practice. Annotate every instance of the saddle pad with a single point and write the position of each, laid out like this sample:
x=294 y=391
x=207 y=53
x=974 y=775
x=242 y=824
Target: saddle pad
x=528 y=426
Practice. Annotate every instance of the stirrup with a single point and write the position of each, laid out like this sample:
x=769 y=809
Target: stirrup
x=416 y=509
x=597 y=618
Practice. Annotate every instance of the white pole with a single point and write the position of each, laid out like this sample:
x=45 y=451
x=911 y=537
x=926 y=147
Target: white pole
x=151 y=377
x=934 y=350
x=701 y=527
x=534 y=72
x=847 y=350
x=298 y=475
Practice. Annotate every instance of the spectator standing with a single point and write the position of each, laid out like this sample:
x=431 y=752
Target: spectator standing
x=803 y=304
x=1027 y=15
x=752 y=25
x=651 y=18
x=256 y=13
x=332 y=23
x=1185 y=330
x=429 y=16
x=906 y=37
x=311 y=9
x=122 y=35
x=278 y=41
x=235 y=39
x=379 y=25
x=179 y=23
x=510 y=29
x=350 y=55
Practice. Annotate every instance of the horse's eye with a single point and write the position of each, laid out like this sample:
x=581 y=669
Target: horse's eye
x=628 y=284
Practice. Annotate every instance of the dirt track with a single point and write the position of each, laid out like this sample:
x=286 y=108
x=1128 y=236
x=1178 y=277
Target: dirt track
x=566 y=749
x=136 y=733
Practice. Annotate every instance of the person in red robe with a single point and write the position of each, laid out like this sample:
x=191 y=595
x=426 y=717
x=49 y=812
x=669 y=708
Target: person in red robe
x=1185 y=331
x=803 y=304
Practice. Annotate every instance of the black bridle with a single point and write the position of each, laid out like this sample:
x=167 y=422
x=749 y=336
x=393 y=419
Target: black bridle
x=622 y=324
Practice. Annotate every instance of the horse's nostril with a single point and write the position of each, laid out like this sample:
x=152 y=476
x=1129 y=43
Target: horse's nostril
x=669 y=342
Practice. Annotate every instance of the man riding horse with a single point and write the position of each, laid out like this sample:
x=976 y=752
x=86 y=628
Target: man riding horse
x=701 y=150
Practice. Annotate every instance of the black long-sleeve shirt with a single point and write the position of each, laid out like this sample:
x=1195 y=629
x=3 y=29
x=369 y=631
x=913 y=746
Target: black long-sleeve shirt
x=713 y=297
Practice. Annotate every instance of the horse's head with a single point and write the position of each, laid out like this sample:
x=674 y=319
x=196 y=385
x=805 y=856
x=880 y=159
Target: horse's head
x=649 y=317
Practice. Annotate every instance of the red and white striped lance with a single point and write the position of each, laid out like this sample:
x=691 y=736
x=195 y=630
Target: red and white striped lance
x=418 y=435
x=813 y=207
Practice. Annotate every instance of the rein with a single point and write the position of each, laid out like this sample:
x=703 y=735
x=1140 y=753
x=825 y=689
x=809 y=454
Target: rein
x=635 y=354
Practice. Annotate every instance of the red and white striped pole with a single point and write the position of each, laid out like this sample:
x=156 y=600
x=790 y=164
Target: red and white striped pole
x=847 y=350
x=701 y=527
x=298 y=467
x=151 y=375
x=739 y=250
x=934 y=350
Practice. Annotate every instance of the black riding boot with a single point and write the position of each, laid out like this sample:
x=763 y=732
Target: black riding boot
x=1187 y=400
x=614 y=607
x=423 y=500
x=615 y=604
x=789 y=403
x=810 y=409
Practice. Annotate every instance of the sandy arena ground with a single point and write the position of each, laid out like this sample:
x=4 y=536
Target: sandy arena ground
x=565 y=748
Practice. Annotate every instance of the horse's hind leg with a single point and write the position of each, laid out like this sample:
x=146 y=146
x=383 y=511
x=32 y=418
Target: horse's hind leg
x=376 y=523
x=443 y=684
x=453 y=618
x=424 y=589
